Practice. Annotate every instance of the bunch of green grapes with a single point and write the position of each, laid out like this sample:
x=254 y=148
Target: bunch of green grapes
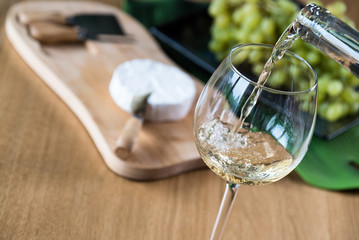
x=248 y=21
x=263 y=21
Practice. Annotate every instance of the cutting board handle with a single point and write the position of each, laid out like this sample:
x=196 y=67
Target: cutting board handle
x=50 y=33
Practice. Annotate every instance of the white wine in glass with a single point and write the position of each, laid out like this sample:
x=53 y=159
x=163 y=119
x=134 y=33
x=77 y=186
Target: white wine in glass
x=251 y=130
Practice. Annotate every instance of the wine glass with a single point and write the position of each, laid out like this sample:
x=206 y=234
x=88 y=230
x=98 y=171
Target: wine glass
x=251 y=133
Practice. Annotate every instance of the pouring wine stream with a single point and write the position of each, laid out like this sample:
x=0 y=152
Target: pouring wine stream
x=283 y=44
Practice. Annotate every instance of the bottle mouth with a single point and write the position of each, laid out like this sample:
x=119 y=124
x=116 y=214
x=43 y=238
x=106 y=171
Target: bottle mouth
x=317 y=26
x=313 y=14
x=268 y=88
x=309 y=10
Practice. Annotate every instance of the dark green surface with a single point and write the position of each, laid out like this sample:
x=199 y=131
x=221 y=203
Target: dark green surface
x=332 y=164
x=158 y=12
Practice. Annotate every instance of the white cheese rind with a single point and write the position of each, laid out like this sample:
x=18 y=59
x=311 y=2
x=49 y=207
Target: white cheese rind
x=172 y=90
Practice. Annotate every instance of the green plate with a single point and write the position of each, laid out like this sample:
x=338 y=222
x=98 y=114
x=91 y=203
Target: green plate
x=332 y=164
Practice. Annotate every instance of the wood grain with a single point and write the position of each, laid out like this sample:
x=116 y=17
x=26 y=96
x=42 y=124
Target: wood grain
x=54 y=184
x=80 y=77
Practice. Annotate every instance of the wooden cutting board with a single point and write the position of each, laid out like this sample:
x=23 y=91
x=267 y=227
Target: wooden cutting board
x=80 y=74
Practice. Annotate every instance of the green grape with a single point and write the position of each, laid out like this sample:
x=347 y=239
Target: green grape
x=280 y=64
x=302 y=86
x=305 y=105
x=268 y=30
x=215 y=45
x=276 y=79
x=238 y=15
x=252 y=20
x=242 y=35
x=322 y=109
x=241 y=56
x=254 y=1
x=255 y=57
x=267 y=26
x=257 y=69
x=222 y=20
x=256 y=37
x=235 y=1
x=334 y=111
x=249 y=8
x=324 y=81
x=217 y=7
x=335 y=88
x=221 y=34
x=313 y=58
x=293 y=69
x=349 y=95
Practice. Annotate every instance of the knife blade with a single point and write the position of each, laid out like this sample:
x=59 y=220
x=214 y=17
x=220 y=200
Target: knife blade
x=52 y=28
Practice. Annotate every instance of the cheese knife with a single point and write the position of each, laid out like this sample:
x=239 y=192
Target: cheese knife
x=52 y=28
x=132 y=126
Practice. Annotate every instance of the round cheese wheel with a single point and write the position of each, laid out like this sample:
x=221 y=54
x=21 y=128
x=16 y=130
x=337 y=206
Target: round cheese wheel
x=172 y=90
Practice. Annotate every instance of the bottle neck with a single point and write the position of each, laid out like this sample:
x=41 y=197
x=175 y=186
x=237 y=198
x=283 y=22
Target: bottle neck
x=317 y=26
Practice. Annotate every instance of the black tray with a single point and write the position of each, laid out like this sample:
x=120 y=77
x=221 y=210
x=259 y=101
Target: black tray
x=185 y=40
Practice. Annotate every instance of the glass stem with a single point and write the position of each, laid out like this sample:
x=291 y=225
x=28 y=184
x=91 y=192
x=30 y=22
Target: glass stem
x=224 y=210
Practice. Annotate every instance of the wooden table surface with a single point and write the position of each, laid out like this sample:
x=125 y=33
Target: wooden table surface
x=55 y=185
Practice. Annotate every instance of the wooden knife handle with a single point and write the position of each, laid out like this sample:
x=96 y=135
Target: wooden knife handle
x=50 y=33
x=28 y=17
x=128 y=137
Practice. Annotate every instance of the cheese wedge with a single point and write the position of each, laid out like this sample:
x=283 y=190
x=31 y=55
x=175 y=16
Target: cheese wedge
x=172 y=90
